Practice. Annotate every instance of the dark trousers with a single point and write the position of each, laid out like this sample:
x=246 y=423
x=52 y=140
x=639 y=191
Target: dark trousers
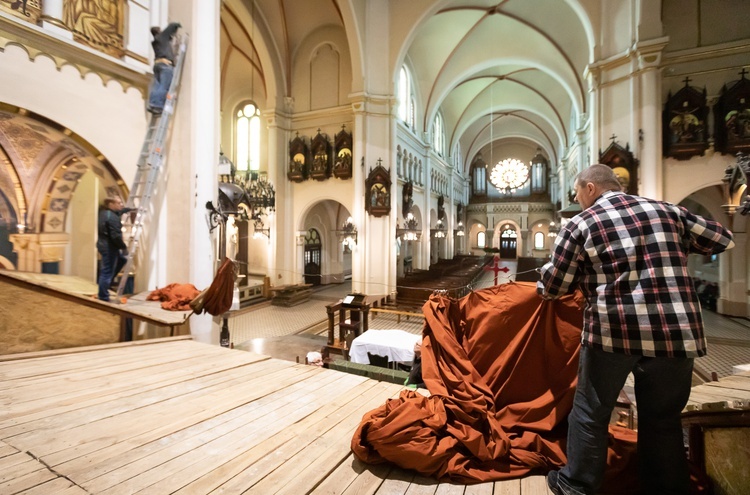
x=111 y=263
x=662 y=388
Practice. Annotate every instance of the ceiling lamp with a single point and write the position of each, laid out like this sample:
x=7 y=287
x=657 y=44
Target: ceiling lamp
x=509 y=174
x=460 y=230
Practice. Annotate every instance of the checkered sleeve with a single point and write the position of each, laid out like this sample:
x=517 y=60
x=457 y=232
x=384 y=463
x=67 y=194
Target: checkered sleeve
x=562 y=276
x=704 y=236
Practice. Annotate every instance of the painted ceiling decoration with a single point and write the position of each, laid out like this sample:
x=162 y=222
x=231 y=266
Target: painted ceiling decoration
x=42 y=163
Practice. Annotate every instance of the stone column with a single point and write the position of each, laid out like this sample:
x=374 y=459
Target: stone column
x=649 y=148
x=194 y=155
x=281 y=260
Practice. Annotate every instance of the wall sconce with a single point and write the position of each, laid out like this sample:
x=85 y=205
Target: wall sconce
x=439 y=231
x=348 y=233
x=554 y=229
x=411 y=231
x=259 y=231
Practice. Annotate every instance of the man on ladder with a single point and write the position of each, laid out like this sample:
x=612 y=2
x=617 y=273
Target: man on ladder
x=162 y=100
x=163 y=66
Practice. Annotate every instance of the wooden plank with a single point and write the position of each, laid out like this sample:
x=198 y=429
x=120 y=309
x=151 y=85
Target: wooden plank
x=118 y=421
x=257 y=436
x=326 y=432
x=56 y=486
x=30 y=480
x=29 y=435
x=6 y=450
x=739 y=384
x=535 y=485
x=450 y=489
x=369 y=481
x=480 y=489
x=422 y=485
x=508 y=487
x=397 y=483
x=349 y=471
x=223 y=418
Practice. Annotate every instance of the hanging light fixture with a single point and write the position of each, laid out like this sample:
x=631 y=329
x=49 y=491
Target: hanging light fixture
x=553 y=229
x=509 y=175
x=439 y=231
x=348 y=233
x=411 y=231
x=460 y=230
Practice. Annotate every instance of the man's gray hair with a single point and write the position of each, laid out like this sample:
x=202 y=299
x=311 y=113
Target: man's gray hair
x=600 y=175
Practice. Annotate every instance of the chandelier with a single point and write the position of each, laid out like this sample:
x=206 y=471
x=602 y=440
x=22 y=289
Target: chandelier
x=439 y=231
x=411 y=231
x=509 y=175
x=460 y=230
x=554 y=229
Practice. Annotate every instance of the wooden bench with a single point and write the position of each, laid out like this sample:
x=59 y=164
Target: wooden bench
x=290 y=295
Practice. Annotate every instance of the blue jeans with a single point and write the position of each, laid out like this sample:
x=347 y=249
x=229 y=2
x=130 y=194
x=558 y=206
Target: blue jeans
x=112 y=262
x=662 y=388
x=157 y=94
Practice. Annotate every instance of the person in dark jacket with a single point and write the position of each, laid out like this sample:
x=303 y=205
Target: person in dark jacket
x=110 y=245
x=163 y=66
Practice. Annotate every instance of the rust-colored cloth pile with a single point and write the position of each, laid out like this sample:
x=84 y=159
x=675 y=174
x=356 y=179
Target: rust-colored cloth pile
x=217 y=299
x=174 y=297
x=501 y=366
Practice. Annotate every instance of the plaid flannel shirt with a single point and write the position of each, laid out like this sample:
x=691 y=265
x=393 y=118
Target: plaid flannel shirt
x=628 y=255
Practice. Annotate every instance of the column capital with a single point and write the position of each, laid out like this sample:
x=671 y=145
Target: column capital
x=649 y=52
x=381 y=105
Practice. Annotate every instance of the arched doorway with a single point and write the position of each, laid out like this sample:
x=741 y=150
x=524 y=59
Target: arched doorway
x=508 y=243
x=312 y=257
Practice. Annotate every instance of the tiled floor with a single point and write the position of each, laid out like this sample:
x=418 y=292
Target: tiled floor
x=290 y=333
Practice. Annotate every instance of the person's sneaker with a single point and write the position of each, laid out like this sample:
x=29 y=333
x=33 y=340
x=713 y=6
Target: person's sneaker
x=155 y=111
x=552 y=483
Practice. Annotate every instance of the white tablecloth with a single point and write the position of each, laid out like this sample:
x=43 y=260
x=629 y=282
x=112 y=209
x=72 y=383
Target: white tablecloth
x=397 y=345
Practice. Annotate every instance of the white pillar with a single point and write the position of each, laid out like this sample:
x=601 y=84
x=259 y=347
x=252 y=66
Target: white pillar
x=650 y=148
x=194 y=155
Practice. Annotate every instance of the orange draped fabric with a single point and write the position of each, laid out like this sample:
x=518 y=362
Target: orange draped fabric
x=174 y=297
x=501 y=366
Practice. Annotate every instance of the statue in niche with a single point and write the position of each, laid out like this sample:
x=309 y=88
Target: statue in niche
x=297 y=165
x=320 y=161
x=379 y=195
x=685 y=127
x=343 y=160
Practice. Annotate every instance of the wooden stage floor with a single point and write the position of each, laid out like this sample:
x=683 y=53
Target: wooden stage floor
x=176 y=416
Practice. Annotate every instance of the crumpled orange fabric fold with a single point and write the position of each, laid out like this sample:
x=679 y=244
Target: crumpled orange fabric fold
x=501 y=366
x=174 y=297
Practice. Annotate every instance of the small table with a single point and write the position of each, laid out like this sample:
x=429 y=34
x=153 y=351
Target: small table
x=396 y=345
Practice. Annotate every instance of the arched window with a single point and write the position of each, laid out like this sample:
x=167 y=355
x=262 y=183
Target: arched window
x=438 y=138
x=248 y=137
x=458 y=158
x=406 y=97
x=539 y=240
x=481 y=239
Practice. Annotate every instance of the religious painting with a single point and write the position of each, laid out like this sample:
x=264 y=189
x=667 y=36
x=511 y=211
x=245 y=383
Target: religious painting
x=378 y=191
x=321 y=157
x=732 y=117
x=28 y=10
x=684 y=123
x=298 y=163
x=342 y=165
x=623 y=164
x=97 y=23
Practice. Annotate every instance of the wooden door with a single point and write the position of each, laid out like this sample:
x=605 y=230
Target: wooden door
x=312 y=257
x=508 y=244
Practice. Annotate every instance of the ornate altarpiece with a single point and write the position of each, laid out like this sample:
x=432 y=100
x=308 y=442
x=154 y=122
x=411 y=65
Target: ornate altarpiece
x=342 y=146
x=97 y=23
x=321 y=157
x=298 y=160
x=732 y=118
x=685 y=123
x=623 y=163
x=378 y=191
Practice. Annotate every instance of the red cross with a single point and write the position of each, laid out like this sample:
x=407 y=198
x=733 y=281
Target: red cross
x=496 y=268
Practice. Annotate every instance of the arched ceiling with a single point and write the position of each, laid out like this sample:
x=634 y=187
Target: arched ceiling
x=509 y=70
x=495 y=69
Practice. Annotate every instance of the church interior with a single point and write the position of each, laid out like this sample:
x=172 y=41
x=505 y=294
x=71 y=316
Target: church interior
x=383 y=149
x=374 y=140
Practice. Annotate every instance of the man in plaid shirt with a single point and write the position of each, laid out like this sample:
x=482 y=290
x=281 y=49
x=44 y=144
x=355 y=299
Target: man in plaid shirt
x=628 y=256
